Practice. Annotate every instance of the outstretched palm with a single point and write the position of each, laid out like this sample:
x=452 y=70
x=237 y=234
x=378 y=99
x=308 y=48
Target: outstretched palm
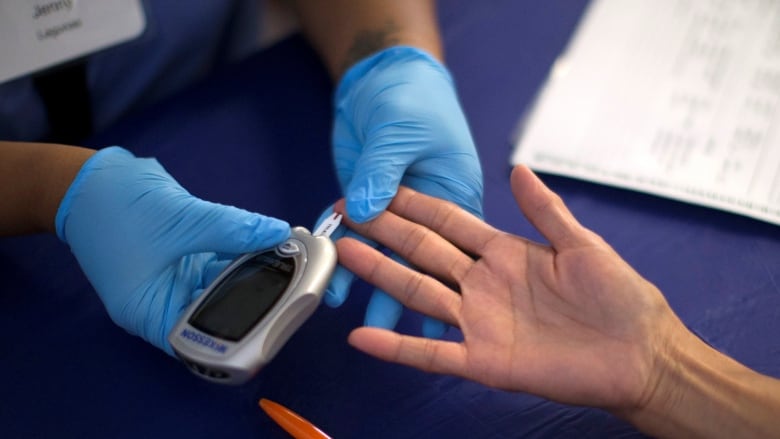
x=571 y=321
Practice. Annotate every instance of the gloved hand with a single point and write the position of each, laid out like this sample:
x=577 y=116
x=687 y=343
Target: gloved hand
x=398 y=121
x=148 y=247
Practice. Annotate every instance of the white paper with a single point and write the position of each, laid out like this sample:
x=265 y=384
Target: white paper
x=680 y=98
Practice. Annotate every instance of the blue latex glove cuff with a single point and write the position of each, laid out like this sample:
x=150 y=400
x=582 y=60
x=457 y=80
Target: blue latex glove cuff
x=382 y=60
x=94 y=161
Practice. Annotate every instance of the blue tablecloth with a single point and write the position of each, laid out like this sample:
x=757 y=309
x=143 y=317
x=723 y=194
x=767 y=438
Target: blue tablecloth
x=257 y=136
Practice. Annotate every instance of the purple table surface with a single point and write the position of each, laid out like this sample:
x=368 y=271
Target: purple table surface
x=235 y=138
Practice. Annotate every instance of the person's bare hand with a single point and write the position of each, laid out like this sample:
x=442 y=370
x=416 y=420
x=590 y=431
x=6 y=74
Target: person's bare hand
x=571 y=321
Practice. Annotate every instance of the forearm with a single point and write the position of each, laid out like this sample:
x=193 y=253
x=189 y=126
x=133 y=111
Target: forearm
x=704 y=393
x=345 y=31
x=33 y=179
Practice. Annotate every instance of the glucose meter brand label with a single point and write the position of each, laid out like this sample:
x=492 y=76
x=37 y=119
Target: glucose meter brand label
x=203 y=340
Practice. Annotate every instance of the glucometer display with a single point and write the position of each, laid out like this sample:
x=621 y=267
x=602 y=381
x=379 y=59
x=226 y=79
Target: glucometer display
x=244 y=297
x=255 y=305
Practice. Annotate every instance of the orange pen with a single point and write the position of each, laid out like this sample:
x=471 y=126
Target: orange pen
x=291 y=422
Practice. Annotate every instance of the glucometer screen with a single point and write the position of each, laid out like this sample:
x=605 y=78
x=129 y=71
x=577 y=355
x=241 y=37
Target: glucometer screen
x=243 y=298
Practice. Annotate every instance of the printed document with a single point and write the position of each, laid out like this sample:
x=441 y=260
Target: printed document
x=679 y=98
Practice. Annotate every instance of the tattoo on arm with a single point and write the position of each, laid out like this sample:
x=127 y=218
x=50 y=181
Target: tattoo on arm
x=369 y=41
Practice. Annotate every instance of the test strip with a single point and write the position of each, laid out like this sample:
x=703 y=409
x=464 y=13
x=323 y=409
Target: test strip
x=327 y=226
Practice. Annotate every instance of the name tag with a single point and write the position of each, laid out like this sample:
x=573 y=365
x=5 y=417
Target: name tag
x=36 y=34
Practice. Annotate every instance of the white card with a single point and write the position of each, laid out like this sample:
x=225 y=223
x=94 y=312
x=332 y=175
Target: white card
x=36 y=34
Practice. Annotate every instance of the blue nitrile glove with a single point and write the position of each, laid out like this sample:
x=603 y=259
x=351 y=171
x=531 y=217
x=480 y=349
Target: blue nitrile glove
x=148 y=247
x=398 y=121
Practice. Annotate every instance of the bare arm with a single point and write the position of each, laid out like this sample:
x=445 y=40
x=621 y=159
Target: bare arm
x=704 y=393
x=572 y=321
x=33 y=180
x=345 y=31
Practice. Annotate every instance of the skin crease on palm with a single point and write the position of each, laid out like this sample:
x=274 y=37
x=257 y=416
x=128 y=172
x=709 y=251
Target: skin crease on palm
x=534 y=318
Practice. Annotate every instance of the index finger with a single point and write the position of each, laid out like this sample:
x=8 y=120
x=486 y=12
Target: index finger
x=458 y=226
x=416 y=244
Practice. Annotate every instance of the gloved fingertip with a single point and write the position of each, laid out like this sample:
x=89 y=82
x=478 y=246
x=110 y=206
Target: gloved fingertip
x=338 y=289
x=332 y=298
x=211 y=227
x=276 y=228
x=366 y=209
x=432 y=328
x=268 y=231
x=383 y=311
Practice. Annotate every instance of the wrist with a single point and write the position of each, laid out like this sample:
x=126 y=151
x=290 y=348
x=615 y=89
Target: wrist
x=73 y=162
x=371 y=45
x=388 y=58
x=37 y=176
x=344 y=32
x=700 y=392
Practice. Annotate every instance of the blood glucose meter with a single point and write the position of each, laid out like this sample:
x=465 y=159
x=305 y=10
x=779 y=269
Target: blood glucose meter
x=255 y=305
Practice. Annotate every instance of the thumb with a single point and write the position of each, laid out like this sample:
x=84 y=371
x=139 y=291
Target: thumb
x=212 y=227
x=546 y=211
x=373 y=185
